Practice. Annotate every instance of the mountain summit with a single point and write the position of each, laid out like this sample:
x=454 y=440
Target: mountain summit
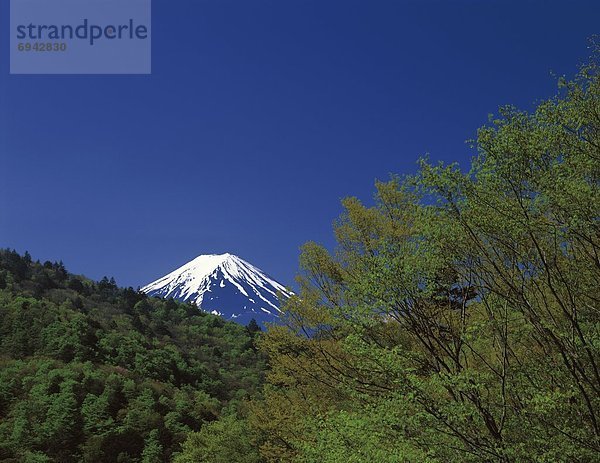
x=225 y=285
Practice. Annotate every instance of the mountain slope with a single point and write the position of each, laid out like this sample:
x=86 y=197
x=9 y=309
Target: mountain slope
x=223 y=284
x=96 y=373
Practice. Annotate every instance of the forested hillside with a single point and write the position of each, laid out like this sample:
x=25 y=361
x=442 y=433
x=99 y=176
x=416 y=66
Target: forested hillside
x=458 y=320
x=92 y=372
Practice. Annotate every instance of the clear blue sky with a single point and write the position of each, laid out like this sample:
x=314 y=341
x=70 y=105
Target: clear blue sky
x=258 y=118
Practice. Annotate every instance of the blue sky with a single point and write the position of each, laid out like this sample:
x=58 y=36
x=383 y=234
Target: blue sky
x=258 y=118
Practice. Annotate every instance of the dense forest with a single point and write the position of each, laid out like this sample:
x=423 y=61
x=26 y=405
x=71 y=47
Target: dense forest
x=91 y=372
x=458 y=320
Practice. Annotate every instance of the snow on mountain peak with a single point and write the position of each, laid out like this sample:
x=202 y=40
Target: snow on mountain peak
x=223 y=284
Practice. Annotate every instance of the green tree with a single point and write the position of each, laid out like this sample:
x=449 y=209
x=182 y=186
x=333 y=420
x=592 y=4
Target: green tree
x=253 y=327
x=152 y=449
x=458 y=318
x=95 y=411
x=224 y=441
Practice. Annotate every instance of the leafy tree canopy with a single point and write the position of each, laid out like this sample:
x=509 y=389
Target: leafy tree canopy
x=458 y=320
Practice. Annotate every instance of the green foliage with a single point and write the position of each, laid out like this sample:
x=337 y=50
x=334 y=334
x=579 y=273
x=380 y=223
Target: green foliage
x=152 y=449
x=224 y=441
x=458 y=319
x=94 y=373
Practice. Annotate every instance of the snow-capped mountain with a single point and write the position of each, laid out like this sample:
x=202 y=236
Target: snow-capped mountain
x=225 y=285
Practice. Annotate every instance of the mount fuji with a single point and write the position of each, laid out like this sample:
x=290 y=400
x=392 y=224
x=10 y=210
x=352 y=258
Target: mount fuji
x=225 y=285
